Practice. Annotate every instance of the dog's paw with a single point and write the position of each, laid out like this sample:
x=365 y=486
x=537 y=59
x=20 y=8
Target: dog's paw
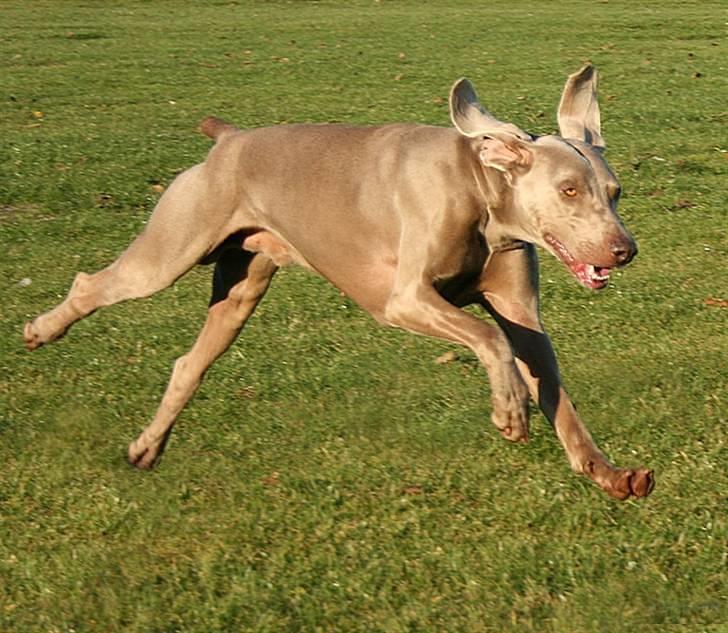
x=510 y=410
x=514 y=428
x=622 y=483
x=31 y=336
x=36 y=333
x=142 y=456
x=628 y=482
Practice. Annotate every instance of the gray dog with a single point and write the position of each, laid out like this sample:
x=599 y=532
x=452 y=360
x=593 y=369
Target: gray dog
x=413 y=222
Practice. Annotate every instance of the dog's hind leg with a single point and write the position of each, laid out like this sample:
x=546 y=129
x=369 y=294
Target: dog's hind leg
x=175 y=239
x=241 y=279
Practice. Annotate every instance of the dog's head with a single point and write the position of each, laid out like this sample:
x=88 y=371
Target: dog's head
x=562 y=194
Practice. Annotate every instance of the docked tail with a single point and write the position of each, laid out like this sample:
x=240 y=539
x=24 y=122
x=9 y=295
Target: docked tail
x=216 y=128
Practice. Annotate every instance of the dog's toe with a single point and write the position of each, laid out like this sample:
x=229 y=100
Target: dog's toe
x=622 y=483
x=31 y=338
x=515 y=433
x=512 y=422
x=144 y=458
x=641 y=482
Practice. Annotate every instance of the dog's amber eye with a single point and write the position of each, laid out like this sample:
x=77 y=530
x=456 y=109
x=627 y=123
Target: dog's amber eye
x=569 y=192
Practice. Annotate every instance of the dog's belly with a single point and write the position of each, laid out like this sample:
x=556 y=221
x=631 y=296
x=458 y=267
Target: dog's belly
x=367 y=281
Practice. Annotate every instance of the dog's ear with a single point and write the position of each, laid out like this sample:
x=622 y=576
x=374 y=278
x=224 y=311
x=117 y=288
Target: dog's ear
x=472 y=119
x=504 y=153
x=579 y=109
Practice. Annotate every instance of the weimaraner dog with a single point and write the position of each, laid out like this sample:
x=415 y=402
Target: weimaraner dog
x=413 y=222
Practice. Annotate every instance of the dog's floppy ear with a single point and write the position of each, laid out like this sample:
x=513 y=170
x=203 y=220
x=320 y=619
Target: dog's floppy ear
x=579 y=109
x=504 y=153
x=472 y=119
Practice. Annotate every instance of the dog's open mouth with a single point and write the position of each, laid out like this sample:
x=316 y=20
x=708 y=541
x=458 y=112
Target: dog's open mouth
x=589 y=275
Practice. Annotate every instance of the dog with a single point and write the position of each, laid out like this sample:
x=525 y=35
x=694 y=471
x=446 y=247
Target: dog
x=413 y=222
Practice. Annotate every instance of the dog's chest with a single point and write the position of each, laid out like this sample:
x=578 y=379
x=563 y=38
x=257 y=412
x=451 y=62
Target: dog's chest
x=460 y=262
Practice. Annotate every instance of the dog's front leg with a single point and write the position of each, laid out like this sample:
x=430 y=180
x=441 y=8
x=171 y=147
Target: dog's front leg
x=419 y=308
x=511 y=296
x=535 y=356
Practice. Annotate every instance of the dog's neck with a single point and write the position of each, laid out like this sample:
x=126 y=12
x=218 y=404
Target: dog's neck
x=497 y=191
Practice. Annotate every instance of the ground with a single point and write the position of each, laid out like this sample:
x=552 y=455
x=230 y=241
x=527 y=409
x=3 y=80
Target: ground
x=330 y=475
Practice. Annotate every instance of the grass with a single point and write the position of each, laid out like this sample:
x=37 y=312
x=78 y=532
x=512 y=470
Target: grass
x=330 y=476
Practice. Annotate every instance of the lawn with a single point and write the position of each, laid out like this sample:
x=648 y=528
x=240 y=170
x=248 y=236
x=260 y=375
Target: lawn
x=330 y=475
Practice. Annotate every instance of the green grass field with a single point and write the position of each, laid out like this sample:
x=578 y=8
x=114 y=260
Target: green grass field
x=329 y=475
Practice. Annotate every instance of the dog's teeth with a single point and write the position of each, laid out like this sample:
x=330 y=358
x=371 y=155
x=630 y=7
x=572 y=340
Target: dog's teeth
x=593 y=275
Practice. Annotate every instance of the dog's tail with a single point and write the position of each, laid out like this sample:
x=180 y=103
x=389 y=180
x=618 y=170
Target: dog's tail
x=215 y=128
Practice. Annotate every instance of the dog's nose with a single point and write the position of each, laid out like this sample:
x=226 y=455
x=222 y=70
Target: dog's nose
x=624 y=250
